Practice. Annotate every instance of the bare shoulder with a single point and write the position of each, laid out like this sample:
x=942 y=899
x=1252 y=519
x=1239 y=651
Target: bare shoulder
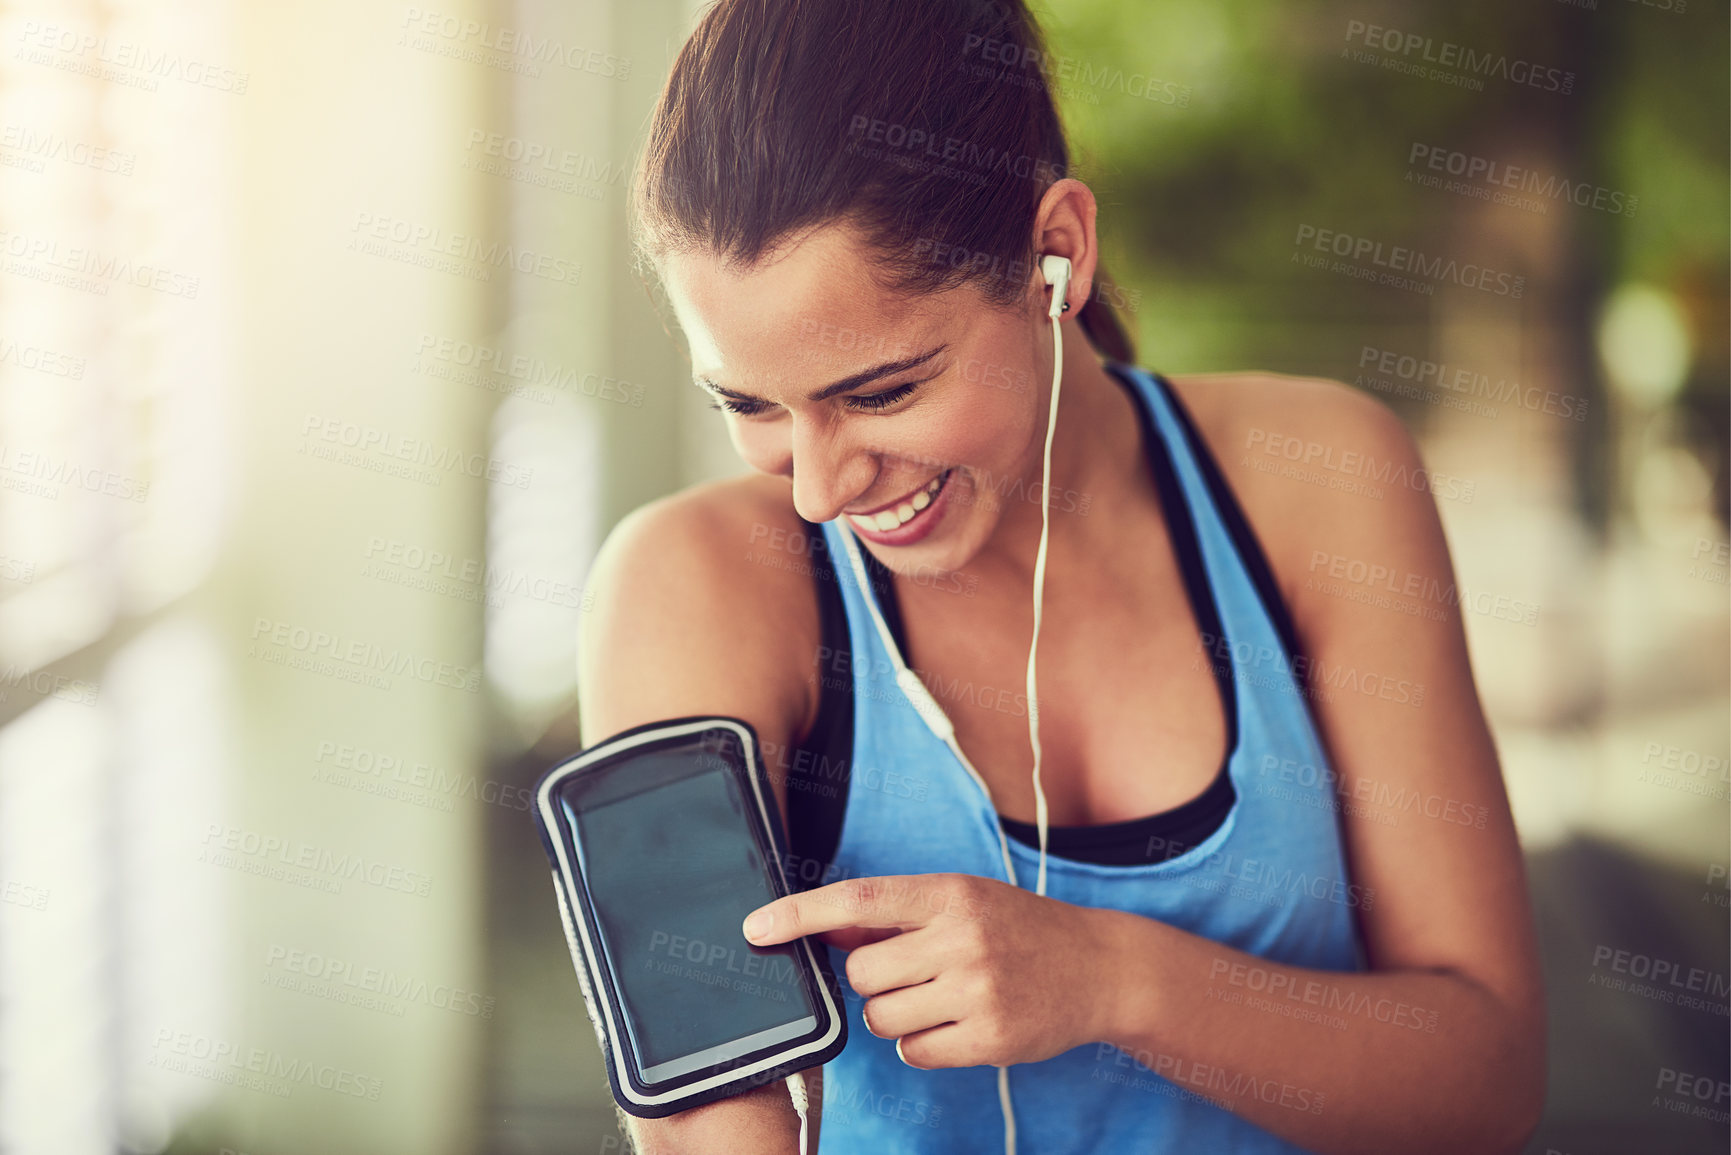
x=1321 y=469
x=1278 y=399
x=702 y=602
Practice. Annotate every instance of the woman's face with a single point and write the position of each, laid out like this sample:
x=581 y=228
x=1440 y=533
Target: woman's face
x=925 y=406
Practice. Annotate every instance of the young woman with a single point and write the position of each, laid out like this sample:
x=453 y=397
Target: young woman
x=1283 y=904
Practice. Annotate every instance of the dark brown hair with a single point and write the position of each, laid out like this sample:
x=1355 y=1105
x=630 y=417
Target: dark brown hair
x=926 y=124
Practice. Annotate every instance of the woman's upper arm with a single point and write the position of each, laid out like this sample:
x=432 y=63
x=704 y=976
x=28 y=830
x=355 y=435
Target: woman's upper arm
x=678 y=626
x=683 y=622
x=1424 y=812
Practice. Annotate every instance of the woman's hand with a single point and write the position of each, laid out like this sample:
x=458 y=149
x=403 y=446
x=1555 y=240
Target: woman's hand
x=962 y=970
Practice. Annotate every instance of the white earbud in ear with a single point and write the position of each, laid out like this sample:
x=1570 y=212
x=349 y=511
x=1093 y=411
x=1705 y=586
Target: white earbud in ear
x=1056 y=270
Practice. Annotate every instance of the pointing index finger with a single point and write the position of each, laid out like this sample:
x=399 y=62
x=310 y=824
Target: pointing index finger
x=853 y=902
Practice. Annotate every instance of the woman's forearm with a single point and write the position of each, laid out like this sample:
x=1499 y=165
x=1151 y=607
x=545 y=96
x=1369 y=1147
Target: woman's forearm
x=1339 y=1063
x=758 y=1122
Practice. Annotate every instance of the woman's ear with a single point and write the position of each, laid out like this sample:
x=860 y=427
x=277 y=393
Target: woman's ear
x=1064 y=227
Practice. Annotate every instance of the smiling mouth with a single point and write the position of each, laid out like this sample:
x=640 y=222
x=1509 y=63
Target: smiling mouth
x=904 y=511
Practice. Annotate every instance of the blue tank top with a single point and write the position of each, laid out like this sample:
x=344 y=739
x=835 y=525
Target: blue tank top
x=1270 y=879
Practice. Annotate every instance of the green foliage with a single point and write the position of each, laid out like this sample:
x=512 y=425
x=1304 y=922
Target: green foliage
x=1280 y=126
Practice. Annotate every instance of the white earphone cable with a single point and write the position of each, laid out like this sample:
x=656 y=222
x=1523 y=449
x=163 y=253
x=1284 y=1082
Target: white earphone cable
x=1033 y=696
x=1039 y=598
x=929 y=710
x=796 y=1090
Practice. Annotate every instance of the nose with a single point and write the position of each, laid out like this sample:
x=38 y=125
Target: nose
x=828 y=471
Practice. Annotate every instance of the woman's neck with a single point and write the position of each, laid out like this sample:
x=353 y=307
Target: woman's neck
x=1099 y=477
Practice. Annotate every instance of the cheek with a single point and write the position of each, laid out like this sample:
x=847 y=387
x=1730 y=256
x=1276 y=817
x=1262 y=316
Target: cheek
x=992 y=431
x=764 y=447
x=986 y=437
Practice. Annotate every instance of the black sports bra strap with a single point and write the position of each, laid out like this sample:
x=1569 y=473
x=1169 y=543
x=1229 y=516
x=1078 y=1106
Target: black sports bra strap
x=819 y=768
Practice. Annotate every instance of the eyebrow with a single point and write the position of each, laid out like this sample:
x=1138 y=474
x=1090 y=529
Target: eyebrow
x=852 y=381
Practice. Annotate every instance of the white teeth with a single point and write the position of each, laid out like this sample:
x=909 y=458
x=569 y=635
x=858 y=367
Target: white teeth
x=893 y=518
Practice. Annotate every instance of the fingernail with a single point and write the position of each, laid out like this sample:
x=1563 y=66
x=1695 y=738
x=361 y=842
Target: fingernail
x=757 y=924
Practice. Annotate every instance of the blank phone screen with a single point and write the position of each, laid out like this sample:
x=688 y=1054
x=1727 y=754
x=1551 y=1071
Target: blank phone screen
x=671 y=872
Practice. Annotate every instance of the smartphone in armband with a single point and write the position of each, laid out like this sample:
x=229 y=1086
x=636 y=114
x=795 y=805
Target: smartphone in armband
x=662 y=839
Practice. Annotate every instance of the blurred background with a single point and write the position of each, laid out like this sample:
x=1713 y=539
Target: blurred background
x=324 y=372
